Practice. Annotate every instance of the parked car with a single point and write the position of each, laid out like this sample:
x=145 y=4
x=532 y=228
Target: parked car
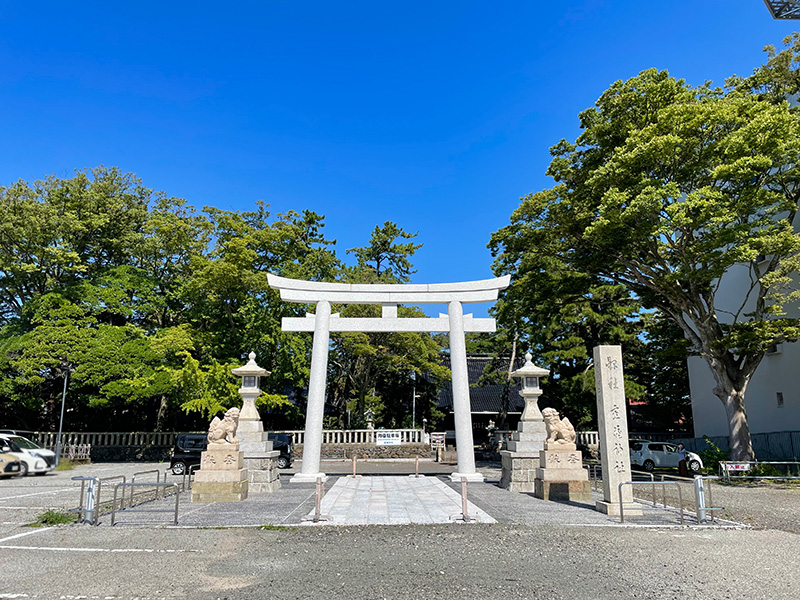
x=10 y=465
x=34 y=458
x=189 y=446
x=283 y=443
x=661 y=455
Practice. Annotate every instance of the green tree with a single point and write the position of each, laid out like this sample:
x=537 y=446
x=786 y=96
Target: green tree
x=378 y=370
x=56 y=232
x=386 y=258
x=668 y=188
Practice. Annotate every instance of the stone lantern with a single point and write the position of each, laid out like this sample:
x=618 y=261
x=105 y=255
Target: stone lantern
x=250 y=389
x=259 y=457
x=529 y=375
x=521 y=457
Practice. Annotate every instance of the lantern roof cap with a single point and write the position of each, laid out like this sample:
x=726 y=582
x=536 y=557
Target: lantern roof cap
x=529 y=369
x=251 y=368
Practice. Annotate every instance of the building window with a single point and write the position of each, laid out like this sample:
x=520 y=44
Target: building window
x=780 y=399
x=774 y=349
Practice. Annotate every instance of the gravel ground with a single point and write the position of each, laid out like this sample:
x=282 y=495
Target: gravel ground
x=521 y=558
x=762 y=506
x=442 y=561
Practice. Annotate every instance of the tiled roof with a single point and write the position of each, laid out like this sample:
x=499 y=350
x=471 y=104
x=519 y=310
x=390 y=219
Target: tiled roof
x=487 y=398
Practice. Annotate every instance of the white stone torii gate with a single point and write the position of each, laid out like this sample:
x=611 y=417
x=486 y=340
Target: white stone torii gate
x=389 y=296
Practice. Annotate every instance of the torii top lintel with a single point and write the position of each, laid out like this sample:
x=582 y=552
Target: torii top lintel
x=308 y=292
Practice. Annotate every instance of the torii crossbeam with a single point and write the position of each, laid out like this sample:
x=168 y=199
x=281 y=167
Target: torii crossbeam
x=389 y=296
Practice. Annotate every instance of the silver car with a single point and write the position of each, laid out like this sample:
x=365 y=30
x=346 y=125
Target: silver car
x=661 y=455
x=34 y=458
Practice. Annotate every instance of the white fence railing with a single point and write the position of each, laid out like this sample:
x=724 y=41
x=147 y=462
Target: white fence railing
x=590 y=438
x=48 y=439
x=329 y=436
x=357 y=436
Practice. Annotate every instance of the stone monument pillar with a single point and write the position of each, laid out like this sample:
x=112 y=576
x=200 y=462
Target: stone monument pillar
x=259 y=457
x=561 y=475
x=521 y=457
x=222 y=476
x=612 y=425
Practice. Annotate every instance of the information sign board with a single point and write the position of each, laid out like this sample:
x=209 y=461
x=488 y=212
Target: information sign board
x=437 y=440
x=387 y=438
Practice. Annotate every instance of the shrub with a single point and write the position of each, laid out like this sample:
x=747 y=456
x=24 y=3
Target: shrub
x=712 y=455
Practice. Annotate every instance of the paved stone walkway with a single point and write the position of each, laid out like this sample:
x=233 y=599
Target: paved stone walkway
x=379 y=500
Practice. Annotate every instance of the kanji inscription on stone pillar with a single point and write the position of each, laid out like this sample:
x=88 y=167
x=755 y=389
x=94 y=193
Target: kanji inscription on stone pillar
x=612 y=426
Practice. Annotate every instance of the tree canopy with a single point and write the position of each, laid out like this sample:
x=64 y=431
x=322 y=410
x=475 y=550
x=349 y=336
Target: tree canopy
x=148 y=303
x=668 y=190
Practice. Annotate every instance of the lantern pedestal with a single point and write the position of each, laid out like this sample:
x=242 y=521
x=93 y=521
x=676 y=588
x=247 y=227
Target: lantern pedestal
x=521 y=458
x=260 y=459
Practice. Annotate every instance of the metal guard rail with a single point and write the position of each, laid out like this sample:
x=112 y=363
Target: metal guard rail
x=93 y=509
x=151 y=484
x=663 y=483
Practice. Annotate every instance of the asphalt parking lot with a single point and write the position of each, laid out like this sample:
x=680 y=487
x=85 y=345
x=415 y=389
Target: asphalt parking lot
x=536 y=550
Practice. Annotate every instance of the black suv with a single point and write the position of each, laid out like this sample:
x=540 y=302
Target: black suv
x=189 y=446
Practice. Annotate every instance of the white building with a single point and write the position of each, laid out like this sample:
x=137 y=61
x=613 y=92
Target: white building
x=772 y=398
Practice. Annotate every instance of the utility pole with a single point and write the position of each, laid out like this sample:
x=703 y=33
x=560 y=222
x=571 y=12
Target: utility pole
x=66 y=368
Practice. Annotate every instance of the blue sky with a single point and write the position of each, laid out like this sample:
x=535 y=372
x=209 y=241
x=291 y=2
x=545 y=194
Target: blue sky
x=435 y=115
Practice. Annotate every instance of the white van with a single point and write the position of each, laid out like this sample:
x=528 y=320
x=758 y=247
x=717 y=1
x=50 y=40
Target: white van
x=34 y=458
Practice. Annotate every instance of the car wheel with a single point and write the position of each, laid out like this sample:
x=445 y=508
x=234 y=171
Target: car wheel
x=283 y=462
x=649 y=465
x=694 y=465
x=178 y=468
x=23 y=469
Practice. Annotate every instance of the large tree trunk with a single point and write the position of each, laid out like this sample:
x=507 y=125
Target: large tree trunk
x=732 y=396
x=741 y=447
x=162 y=413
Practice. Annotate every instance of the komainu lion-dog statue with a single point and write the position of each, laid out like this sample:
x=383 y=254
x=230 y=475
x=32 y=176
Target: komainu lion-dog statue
x=559 y=431
x=223 y=431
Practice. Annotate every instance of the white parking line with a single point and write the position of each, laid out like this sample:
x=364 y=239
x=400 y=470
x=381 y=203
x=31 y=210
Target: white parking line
x=26 y=507
x=19 y=535
x=33 y=494
x=111 y=550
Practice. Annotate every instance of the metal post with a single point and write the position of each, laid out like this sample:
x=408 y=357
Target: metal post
x=354 y=465
x=700 y=497
x=61 y=420
x=91 y=499
x=416 y=467
x=464 y=512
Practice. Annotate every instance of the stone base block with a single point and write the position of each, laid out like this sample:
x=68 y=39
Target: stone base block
x=612 y=508
x=263 y=472
x=562 y=474
x=526 y=443
x=249 y=426
x=227 y=476
x=534 y=427
x=518 y=470
x=219 y=491
x=559 y=446
x=561 y=459
x=308 y=478
x=523 y=487
x=221 y=457
x=470 y=477
x=265 y=487
x=563 y=491
x=256 y=447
